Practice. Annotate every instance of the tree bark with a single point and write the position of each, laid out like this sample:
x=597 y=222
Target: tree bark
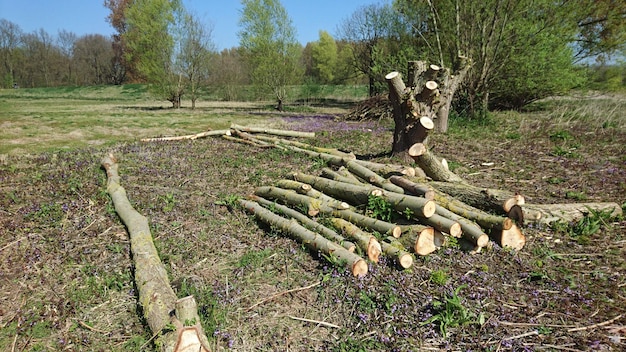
x=549 y=213
x=273 y=131
x=313 y=241
x=428 y=98
x=156 y=296
x=306 y=221
x=360 y=195
x=394 y=249
x=367 y=242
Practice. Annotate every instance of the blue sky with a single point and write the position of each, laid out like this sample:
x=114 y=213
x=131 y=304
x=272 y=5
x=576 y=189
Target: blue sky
x=89 y=16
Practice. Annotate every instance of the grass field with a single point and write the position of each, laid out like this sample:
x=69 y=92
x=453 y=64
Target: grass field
x=66 y=275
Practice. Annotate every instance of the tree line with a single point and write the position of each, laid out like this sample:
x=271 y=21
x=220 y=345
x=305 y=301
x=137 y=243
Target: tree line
x=521 y=50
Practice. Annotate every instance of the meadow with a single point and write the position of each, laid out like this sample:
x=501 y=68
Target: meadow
x=66 y=274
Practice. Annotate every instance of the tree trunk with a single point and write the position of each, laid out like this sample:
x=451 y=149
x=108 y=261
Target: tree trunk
x=156 y=296
x=428 y=98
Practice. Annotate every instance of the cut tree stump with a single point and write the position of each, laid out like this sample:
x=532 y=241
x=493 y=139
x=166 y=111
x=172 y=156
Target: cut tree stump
x=156 y=296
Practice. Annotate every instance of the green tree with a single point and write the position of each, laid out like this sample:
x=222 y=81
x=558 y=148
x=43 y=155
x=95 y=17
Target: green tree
x=522 y=50
x=150 y=43
x=324 y=56
x=268 y=39
x=195 y=54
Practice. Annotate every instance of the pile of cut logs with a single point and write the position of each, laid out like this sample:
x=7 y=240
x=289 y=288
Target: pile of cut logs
x=329 y=214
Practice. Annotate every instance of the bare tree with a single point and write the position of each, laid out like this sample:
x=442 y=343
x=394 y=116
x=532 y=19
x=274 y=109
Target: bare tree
x=93 y=54
x=10 y=40
x=195 y=52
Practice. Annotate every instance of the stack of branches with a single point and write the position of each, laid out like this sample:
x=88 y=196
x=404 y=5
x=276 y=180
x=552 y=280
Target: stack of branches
x=377 y=107
x=358 y=208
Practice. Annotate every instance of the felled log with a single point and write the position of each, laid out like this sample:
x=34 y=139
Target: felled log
x=484 y=219
x=188 y=136
x=382 y=227
x=306 y=221
x=334 y=175
x=570 y=212
x=276 y=132
x=411 y=187
x=156 y=296
x=443 y=224
x=423 y=240
x=372 y=177
x=360 y=195
x=312 y=205
x=394 y=249
x=306 y=189
x=489 y=199
x=367 y=242
x=342 y=171
x=471 y=231
x=313 y=241
x=431 y=165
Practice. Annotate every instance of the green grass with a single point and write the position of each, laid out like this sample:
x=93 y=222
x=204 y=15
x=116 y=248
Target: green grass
x=62 y=118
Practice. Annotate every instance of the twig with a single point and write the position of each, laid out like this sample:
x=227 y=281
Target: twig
x=283 y=293
x=316 y=322
x=12 y=243
x=507 y=323
x=530 y=333
x=85 y=325
x=562 y=348
x=589 y=327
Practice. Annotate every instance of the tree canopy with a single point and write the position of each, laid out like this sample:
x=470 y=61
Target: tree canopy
x=271 y=50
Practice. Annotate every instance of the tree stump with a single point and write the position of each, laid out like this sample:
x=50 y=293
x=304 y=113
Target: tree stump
x=424 y=104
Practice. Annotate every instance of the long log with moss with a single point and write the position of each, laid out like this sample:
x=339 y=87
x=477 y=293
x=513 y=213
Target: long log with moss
x=306 y=221
x=359 y=195
x=156 y=296
x=313 y=241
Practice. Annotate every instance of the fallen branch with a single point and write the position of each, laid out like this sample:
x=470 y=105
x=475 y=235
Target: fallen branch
x=589 y=327
x=156 y=297
x=189 y=136
x=276 y=132
x=316 y=322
